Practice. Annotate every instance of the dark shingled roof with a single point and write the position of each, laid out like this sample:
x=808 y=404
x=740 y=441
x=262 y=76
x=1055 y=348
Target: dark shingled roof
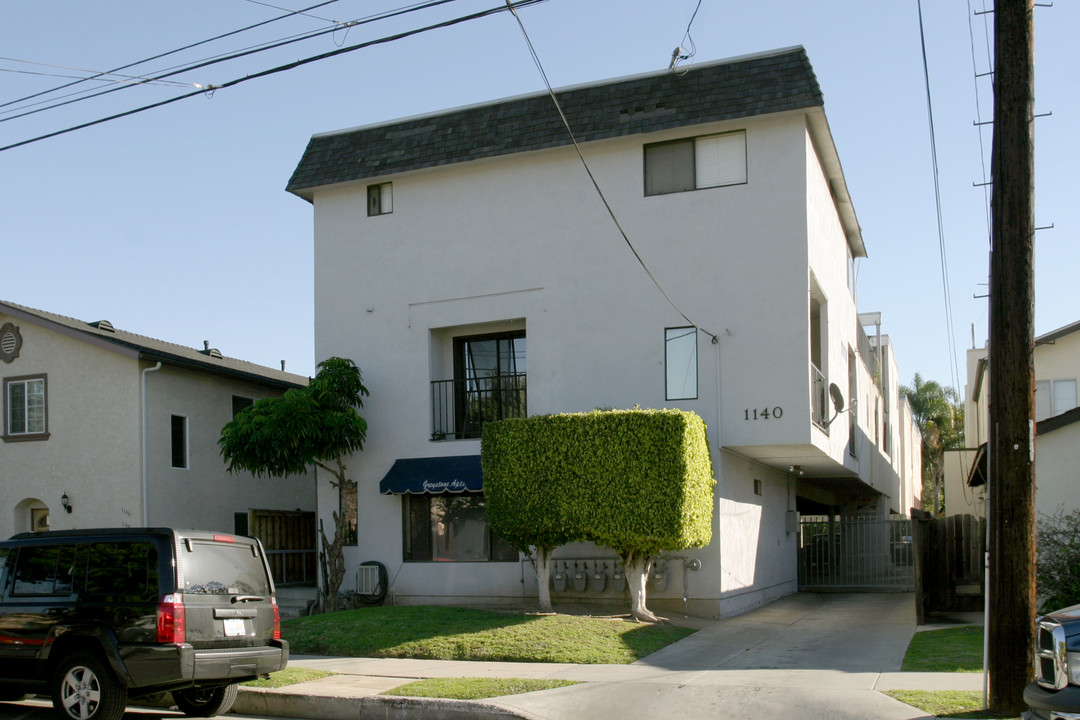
x=741 y=87
x=151 y=349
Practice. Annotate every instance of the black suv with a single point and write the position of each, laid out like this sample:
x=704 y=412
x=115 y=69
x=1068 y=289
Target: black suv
x=93 y=616
x=1055 y=694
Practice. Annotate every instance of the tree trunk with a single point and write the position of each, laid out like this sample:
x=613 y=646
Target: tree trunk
x=332 y=557
x=637 y=569
x=543 y=577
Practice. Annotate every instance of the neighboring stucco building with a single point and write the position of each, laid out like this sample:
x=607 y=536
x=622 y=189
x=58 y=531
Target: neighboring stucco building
x=466 y=263
x=106 y=428
x=1057 y=428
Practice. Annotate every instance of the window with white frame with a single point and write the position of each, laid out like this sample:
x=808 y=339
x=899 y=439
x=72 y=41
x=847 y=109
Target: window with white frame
x=680 y=363
x=380 y=199
x=695 y=163
x=25 y=414
x=1053 y=397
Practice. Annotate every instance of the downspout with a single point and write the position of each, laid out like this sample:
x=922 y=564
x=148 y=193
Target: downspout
x=145 y=498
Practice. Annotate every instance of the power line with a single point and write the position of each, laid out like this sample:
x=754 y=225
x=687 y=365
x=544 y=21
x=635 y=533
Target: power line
x=169 y=52
x=951 y=335
x=275 y=70
x=252 y=50
x=588 y=171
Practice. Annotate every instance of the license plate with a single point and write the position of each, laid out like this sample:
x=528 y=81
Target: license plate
x=234 y=627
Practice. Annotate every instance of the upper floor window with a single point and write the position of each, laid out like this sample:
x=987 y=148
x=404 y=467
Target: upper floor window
x=489 y=384
x=25 y=414
x=695 y=163
x=680 y=363
x=380 y=199
x=1053 y=397
x=179 y=442
x=240 y=403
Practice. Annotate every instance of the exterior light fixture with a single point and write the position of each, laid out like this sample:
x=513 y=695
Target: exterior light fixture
x=65 y=501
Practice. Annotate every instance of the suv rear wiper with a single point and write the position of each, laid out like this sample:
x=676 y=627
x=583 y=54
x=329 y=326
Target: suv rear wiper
x=248 y=598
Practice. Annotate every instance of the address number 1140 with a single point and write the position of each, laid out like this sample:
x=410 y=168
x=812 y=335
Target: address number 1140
x=764 y=413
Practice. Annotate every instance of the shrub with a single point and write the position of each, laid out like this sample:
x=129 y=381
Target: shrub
x=1058 y=566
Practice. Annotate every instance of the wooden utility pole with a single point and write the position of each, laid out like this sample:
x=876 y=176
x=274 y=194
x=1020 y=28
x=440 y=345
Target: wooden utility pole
x=1012 y=375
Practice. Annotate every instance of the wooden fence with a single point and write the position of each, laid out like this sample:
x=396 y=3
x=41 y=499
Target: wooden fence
x=949 y=563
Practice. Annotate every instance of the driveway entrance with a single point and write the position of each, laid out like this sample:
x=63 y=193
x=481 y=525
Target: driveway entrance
x=852 y=553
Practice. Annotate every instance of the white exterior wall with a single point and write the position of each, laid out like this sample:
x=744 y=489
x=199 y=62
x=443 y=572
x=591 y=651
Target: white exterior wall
x=204 y=494
x=1055 y=474
x=92 y=452
x=523 y=242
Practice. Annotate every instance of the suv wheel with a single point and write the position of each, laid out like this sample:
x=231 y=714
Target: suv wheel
x=205 y=702
x=83 y=688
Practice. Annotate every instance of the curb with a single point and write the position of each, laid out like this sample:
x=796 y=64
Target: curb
x=255 y=701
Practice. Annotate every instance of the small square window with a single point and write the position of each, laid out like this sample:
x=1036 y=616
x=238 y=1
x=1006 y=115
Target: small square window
x=240 y=403
x=380 y=199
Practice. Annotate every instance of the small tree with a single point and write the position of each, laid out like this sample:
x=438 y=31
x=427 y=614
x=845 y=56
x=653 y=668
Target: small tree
x=1058 y=565
x=637 y=481
x=313 y=427
x=940 y=417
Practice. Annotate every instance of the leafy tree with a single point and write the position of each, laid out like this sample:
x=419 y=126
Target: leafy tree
x=636 y=481
x=312 y=427
x=940 y=416
x=1058 y=565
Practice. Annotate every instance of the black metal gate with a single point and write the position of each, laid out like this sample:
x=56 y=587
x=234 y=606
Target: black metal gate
x=855 y=553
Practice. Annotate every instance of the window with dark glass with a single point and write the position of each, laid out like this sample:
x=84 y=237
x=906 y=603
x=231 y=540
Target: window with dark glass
x=451 y=528
x=179 y=442
x=121 y=571
x=44 y=570
x=240 y=403
x=489 y=380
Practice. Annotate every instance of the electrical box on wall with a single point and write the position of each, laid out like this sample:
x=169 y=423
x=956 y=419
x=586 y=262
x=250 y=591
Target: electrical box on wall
x=792 y=521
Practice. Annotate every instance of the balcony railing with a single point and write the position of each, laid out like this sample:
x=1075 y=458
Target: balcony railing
x=819 y=397
x=459 y=408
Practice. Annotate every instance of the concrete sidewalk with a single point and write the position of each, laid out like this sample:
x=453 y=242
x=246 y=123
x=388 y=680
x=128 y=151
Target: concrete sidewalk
x=806 y=656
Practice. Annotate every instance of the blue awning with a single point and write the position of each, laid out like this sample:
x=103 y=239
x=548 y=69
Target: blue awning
x=416 y=476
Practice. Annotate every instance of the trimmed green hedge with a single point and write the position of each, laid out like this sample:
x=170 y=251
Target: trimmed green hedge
x=637 y=480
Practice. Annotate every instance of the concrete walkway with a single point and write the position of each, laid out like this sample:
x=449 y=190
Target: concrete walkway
x=805 y=656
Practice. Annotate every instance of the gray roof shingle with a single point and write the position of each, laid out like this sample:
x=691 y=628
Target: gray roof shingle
x=742 y=87
x=154 y=350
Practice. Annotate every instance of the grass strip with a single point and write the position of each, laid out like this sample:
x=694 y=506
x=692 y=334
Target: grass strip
x=474 y=688
x=450 y=633
x=948 y=703
x=957 y=649
x=288 y=676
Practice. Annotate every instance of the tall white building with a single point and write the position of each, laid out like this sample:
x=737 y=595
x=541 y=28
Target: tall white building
x=468 y=265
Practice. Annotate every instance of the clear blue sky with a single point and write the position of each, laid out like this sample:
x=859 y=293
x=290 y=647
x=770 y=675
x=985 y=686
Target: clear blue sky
x=174 y=223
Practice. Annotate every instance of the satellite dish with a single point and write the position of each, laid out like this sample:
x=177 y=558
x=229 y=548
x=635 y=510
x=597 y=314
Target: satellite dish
x=837 y=398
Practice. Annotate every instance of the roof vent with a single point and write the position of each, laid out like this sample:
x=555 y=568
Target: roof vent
x=212 y=352
x=103 y=325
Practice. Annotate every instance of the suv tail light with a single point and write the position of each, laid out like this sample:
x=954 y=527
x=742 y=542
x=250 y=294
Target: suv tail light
x=171 y=620
x=277 y=619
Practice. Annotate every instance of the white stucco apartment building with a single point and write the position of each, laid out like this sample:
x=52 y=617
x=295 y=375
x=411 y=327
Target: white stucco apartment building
x=1057 y=428
x=467 y=264
x=107 y=428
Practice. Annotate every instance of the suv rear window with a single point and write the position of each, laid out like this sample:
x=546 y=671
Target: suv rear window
x=216 y=568
x=122 y=571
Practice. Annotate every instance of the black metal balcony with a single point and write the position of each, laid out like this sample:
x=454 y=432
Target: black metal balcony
x=459 y=408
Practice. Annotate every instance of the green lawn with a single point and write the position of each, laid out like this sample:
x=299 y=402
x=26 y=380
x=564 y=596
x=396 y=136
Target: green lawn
x=957 y=649
x=289 y=676
x=449 y=633
x=946 y=703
